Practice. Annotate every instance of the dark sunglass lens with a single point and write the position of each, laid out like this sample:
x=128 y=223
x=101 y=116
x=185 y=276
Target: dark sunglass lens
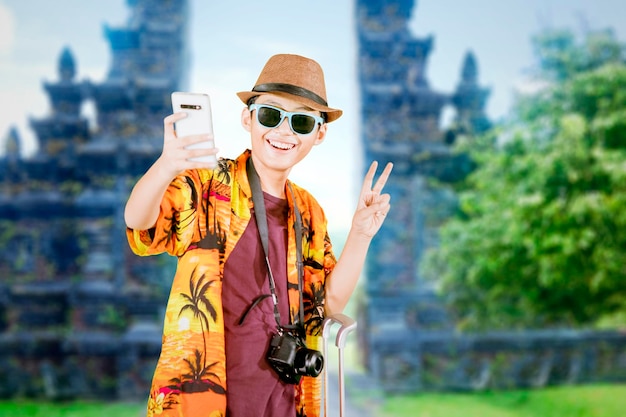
x=268 y=117
x=303 y=124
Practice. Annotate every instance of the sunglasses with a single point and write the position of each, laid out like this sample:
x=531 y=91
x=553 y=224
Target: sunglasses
x=270 y=116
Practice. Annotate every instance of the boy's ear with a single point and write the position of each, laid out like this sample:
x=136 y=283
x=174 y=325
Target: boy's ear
x=246 y=120
x=321 y=134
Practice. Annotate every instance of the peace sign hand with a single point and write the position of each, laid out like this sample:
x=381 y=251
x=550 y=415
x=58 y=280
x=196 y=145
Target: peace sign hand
x=372 y=206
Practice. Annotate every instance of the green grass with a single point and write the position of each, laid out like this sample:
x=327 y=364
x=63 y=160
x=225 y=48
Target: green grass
x=70 y=409
x=578 y=401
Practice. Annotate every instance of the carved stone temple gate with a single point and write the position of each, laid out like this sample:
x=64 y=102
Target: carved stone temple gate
x=79 y=314
x=408 y=341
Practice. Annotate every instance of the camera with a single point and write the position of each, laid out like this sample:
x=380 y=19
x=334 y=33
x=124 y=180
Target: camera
x=291 y=359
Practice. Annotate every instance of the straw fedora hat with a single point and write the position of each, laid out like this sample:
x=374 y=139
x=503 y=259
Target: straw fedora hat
x=294 y=77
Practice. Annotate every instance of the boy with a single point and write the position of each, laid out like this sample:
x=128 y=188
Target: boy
x=254 y=267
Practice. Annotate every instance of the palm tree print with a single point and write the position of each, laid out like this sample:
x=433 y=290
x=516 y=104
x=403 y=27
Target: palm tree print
x=215 y=237
x=196 y=299
x=206 y=207
x=173 y=227
x=223 y=171
x=313 y=296
x=179 y=220
x=197 y=378
x=214 y=240
x=314 y=308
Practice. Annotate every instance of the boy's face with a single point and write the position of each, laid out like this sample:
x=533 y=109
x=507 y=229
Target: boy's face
x=280 y=148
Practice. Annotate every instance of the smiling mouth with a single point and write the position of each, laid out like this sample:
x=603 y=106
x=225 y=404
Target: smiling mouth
x=281 y=145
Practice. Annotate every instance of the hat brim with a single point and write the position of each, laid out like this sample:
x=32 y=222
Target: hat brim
x=331 y=114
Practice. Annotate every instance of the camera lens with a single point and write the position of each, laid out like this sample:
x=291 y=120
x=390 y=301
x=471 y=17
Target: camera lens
x=309 y=362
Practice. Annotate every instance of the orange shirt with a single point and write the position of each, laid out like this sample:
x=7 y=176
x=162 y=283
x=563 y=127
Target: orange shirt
x=203 y=214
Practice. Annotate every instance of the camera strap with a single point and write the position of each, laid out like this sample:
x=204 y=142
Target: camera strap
x=261 y=220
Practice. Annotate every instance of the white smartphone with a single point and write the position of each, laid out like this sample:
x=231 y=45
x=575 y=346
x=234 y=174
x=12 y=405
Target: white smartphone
x=198 y=121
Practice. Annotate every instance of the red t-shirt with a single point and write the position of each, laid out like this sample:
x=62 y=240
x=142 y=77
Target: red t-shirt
x=253 y=388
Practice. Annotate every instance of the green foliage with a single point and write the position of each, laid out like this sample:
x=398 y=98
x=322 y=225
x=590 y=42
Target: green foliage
x=560 y=57
x=540 y=237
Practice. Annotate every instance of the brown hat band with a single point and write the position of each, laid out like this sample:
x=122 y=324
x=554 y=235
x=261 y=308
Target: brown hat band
x=290 y=89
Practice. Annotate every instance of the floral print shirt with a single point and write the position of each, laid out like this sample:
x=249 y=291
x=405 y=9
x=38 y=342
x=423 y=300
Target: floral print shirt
x=202 y=216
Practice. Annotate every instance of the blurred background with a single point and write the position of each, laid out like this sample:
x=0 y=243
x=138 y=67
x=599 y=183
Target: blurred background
x=500 y=267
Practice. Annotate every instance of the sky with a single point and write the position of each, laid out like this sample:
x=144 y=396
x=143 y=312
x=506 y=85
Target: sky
x=231 y=41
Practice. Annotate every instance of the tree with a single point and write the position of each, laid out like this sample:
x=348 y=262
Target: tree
x=540 y=235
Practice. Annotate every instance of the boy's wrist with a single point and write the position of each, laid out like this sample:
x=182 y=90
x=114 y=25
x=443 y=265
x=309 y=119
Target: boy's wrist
x=163 y=173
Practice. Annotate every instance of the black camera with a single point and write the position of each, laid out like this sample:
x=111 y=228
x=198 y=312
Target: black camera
x=291 y=359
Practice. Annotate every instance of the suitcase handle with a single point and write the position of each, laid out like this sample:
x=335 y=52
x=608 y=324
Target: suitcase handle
x=347 y=326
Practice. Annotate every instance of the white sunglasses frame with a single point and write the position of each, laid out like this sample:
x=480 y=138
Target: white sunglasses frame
x=284 y=114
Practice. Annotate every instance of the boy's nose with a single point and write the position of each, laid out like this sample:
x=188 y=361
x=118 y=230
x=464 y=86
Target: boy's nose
x=284 y=124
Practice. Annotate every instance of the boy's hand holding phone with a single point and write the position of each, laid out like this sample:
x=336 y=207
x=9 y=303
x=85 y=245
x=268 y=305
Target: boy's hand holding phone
x=198 y=122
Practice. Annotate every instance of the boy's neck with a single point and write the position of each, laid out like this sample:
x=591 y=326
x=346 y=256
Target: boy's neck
x=272 y=182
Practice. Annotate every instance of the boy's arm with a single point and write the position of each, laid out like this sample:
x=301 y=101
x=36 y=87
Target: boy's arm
x=368 y=218
x=143 y=205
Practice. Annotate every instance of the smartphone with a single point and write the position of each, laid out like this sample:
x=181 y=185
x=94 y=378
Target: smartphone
x=198 y=120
